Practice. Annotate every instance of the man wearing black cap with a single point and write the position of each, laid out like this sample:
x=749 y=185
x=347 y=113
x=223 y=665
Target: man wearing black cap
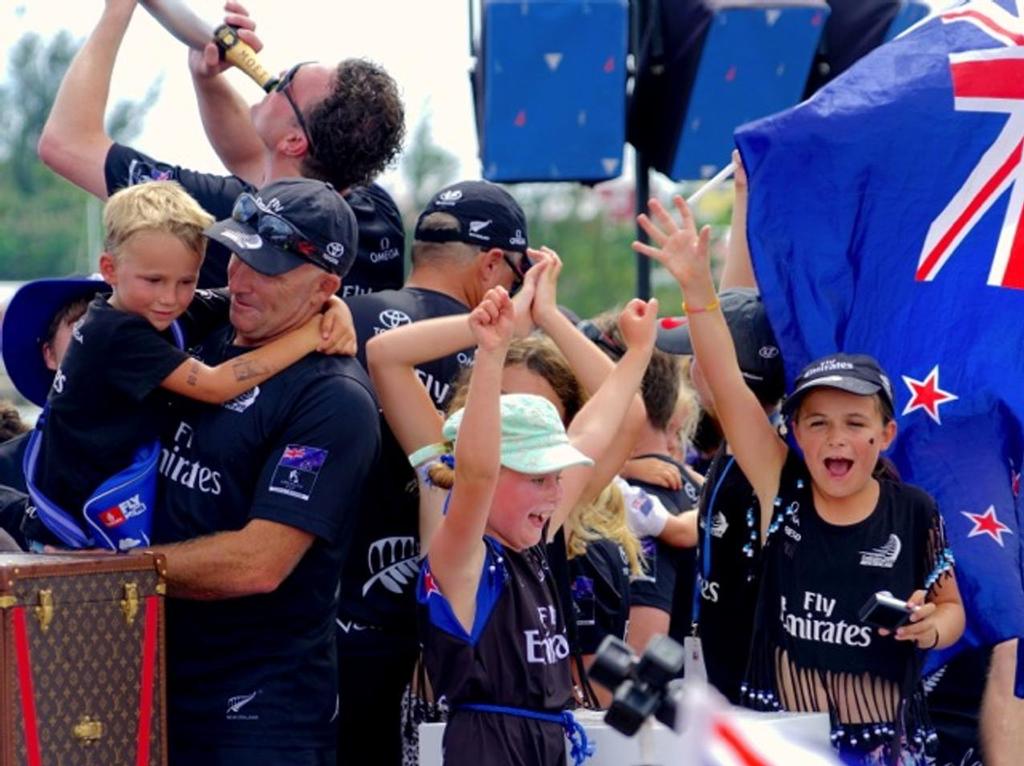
x=259 y=498
x=341 y=124
x=727 y=552
x=471 y=237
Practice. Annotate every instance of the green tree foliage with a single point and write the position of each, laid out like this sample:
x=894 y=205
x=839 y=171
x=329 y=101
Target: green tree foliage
x=426 y=166
x=45 y=220
x=600 y=267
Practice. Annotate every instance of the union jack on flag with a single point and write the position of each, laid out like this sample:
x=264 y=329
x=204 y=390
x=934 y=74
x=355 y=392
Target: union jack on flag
x=987 y=80
x=886 y=218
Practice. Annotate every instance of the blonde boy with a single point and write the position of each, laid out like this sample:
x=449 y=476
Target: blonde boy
x=126 y=353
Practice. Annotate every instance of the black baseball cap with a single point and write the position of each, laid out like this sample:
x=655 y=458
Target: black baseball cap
x=290 y=222
x=488 y=216
x=26 y=322
x=756 y=348
x=856 y=373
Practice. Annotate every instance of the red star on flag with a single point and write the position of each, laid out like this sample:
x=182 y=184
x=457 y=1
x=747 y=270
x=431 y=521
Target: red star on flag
x=926 y=395
x=987 y=524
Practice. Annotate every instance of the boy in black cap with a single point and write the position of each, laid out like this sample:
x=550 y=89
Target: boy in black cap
x=104 y=407
x=471 y=236
x=728 y=554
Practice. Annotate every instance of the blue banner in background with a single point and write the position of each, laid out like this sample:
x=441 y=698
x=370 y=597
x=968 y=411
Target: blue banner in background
x=885 y=218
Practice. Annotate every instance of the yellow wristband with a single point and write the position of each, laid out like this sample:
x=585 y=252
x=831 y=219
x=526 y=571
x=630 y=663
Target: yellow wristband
x=710 y=307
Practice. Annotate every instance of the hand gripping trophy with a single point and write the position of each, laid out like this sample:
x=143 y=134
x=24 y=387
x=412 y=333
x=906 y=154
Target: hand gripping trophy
x=182 y=22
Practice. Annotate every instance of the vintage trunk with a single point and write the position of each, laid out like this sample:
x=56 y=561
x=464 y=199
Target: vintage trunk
x=82 y=652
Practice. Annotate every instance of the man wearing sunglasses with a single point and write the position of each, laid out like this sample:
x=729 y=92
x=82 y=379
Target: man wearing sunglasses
x=258 y=500
x=471 y=237
x=341 y=124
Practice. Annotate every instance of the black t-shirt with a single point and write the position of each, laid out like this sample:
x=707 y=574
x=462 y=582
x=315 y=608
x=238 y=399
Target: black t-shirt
x=296 y=450
x=105 y=402
x=378 y=612
x=599 y=582
x=816 y=577
x=728 y=559
x=667 y=568
x=517 y=655
x=378 y=266
x=12 y=455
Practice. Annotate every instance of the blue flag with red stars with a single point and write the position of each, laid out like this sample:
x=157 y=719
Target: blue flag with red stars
x=886 y=218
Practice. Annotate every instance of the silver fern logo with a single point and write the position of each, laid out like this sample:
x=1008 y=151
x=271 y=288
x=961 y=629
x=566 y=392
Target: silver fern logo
x=393 y=562
x=235 y=705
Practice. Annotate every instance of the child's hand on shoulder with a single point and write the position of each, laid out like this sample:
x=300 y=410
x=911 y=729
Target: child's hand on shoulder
x=492 y=322
x=638 y=324
x=677 y=247
x=337 y=329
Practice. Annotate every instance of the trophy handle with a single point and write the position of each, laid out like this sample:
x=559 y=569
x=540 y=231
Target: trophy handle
x=241 y=54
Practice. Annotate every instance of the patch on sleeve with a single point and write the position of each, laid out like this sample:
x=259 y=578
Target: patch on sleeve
x=141 y=171
x=297 y=471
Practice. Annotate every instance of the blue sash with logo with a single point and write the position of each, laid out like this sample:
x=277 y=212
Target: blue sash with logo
x=119 y=512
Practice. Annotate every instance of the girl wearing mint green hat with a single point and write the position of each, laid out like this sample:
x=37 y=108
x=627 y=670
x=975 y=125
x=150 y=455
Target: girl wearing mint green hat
x=494 y=639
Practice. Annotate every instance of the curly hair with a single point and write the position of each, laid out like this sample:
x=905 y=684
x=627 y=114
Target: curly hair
x=358 y=129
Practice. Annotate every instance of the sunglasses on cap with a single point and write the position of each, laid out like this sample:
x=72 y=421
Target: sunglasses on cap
x=278 y=231
x=283 y=86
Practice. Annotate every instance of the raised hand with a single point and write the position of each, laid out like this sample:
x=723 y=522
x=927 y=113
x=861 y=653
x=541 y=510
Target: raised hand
x=208 y=62
x=546 y=299
x=492 y=321
x=523 y=300
x=677 y=247
x=638 y=323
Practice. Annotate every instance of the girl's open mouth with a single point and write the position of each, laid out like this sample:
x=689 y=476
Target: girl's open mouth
x=838 y=467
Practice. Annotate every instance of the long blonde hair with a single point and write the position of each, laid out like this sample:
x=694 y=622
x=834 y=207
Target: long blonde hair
x=603 y=518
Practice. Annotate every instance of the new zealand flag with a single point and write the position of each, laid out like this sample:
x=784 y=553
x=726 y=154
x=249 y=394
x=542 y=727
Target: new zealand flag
x=885 y=218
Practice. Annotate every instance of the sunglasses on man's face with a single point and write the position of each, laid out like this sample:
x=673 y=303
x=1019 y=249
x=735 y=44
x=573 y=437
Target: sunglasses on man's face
x=276 y=230
x=284 y=87
x=519 y=268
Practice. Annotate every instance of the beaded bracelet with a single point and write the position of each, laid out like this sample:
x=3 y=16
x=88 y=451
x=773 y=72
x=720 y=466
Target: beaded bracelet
x=710 y=307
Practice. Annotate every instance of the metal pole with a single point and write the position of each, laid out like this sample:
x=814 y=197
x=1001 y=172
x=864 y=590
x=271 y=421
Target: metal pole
x=641 y=168
x=643 y=193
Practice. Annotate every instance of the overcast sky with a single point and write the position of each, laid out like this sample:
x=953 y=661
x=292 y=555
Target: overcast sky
x=424 y=45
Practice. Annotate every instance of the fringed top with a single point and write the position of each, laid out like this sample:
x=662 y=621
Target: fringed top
x=811 y=652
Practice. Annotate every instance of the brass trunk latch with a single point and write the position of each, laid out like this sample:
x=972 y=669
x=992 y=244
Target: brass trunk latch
x=130 y=602
x=88 y=730
x=44 y=612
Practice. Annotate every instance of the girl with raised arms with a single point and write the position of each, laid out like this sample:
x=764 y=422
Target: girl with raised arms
x=836 y=526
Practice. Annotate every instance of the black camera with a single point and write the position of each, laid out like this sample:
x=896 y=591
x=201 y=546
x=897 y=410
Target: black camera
x=643 y=686
x=883 y=610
